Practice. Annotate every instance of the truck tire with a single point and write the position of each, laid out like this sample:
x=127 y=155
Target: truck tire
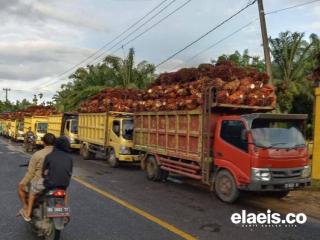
x=225 y=187
x=278 y=194
x=86 y=154
x=164 y=175
x=152 y=169
x=112 y=159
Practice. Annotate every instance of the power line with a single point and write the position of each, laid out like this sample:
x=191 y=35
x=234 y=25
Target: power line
x=221 y=40
x=245 y=26
x=294 y=6
x=114 y=39
x=145 y=31
x=206 y=34
x=148 y=29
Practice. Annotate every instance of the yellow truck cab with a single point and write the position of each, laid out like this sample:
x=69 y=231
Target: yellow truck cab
x=16 y=130
x=2 y=126
x=39 y=126
x=110 y=134
x=65 y=124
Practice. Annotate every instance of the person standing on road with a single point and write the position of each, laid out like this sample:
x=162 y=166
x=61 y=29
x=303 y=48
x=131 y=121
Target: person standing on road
x=33 y=177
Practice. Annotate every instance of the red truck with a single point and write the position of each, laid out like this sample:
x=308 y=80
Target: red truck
x=230 y=148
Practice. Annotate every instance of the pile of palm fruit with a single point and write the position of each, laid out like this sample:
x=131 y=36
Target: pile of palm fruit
x=38 y=110
x=113 y=99
x=183 y=90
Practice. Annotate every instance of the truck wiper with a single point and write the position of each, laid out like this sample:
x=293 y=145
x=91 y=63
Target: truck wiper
x=271 y=145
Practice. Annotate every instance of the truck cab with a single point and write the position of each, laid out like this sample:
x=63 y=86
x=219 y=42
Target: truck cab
x=121 y=138
x=38 y=125
x=263 y=152
x=41 y=129
x=70 y=130
x=16 y=130
x=109 y=134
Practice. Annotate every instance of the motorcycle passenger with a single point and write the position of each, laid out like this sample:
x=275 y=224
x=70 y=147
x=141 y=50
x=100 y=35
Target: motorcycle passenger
x=33 y=176
x=58 y=165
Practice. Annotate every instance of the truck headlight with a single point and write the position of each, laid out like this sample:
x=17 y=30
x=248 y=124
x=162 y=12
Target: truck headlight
x=306 y=172
x=260 y=174
x=72 y=141
x=125 y=150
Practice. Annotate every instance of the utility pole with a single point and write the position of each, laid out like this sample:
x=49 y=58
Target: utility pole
x=6 y=90
x=265 y=40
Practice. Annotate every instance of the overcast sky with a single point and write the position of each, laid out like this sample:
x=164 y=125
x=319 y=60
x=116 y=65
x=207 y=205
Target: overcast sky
x=41 y=39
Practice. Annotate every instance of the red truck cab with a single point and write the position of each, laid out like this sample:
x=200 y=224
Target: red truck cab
x=261 y=152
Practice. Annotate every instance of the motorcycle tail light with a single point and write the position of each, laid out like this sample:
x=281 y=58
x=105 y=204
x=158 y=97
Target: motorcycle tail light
x=59 y=193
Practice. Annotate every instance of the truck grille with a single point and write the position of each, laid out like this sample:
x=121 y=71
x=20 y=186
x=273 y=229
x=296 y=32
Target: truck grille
x=286 y=173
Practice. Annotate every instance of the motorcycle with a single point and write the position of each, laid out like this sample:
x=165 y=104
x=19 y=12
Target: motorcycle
x=30 y=144
x=50 y=215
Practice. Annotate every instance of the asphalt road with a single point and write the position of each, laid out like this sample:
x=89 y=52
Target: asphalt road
x=121 y=204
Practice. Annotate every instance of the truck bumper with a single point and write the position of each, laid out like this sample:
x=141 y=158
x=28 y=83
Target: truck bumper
x=277 y=185
x=75 y=146
x=20 y=139
x=129 y=158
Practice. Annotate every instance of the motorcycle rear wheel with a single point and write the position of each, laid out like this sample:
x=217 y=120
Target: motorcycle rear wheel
x=55 y=235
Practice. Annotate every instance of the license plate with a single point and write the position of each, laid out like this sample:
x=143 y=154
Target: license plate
x=53 y=212
x=291 y=185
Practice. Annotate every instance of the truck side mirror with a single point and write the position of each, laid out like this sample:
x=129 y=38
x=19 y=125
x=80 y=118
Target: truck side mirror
x=244 y=135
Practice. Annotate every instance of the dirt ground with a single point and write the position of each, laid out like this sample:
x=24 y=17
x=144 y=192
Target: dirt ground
x=306 y=201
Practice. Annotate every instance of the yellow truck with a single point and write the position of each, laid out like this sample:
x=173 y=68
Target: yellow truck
x=16 y=130
x=2 y=126
x=110 y=134
x=7 y=126
x=65 y=124
x=38 y=125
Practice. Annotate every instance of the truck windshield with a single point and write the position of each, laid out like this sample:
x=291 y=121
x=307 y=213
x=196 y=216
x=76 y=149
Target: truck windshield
x=74 y=127
x=42 y=127
x=127 y=129
x=277 y=134
x=21 y=126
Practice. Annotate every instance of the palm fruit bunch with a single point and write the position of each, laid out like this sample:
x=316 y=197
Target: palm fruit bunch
x=113 y=99
x=37 y=110
x=183 y=90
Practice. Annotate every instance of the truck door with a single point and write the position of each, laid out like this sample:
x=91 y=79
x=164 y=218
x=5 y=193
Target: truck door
x=67 y=128
x=231 y=151
x=114 y=135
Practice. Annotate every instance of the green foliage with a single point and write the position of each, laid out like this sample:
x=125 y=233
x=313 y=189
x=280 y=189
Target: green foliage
x=9 y=106
x=244 y=60
x=293 y=62
x=112 y=72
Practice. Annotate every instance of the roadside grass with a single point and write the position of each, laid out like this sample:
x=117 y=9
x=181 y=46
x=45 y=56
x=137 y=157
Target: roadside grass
x=315 y=185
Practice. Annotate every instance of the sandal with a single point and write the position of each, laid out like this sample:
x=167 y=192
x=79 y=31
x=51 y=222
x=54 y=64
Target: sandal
x=22 y=214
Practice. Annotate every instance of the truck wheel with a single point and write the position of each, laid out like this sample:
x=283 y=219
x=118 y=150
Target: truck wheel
x=279 y=194
x=164 y=175
x=112 y=159
x=226 y=187
x=152 y=169
x=85 y=153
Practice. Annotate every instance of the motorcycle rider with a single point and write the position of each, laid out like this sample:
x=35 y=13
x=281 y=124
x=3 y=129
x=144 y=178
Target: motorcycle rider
x=58 y=166
x=29 y=134
x=33 y=176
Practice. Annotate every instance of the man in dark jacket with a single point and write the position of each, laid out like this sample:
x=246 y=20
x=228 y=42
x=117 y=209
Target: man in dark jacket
x=57 y=166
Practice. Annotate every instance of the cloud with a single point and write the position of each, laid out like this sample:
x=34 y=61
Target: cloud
x=39 y=12
x=31 y=60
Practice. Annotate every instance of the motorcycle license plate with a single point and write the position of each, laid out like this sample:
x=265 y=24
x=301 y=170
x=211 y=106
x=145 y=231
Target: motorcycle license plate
x=53 y=212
